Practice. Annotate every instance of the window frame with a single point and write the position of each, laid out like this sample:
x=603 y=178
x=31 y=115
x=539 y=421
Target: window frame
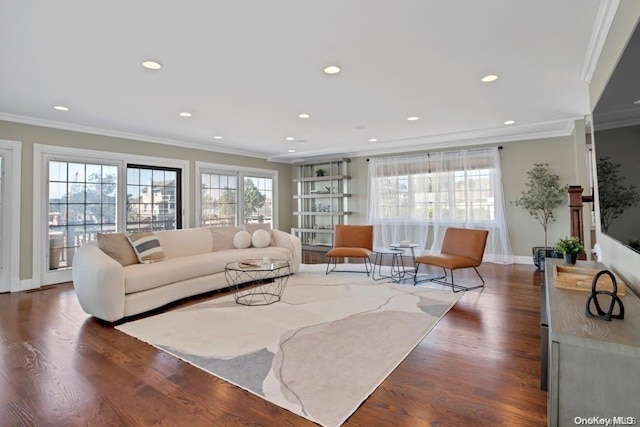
x=178 y=196
x=240 y=172
x=11 y=192
x=42 y=154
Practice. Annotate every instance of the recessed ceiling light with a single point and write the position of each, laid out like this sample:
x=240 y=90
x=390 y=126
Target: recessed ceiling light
x=637 y=102
x=289 y=138
x=217 y=137
x=332 y=69
x=61 y=108
x=292 y=151
x=413 y=118
x=185 y=114
x=304 y=116
x=373 y=140
x=152 y=65
x=489 y=78
x=509 y=122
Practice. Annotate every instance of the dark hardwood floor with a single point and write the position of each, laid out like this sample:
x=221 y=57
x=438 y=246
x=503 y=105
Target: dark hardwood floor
x=478 y=366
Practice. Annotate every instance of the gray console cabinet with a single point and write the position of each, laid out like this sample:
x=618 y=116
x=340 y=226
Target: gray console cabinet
x=594 y=365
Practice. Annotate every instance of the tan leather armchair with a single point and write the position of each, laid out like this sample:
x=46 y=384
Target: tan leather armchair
x=462 y=248
x=351 y=241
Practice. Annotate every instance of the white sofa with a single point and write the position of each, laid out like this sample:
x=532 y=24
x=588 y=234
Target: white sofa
x=195 y=264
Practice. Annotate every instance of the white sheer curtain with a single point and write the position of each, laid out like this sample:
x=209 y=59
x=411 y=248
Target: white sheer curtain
x=468 y=194
x=417 y=197
x=397 y=202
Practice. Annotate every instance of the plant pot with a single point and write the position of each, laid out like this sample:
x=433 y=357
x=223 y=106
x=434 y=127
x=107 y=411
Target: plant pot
x=539 y=253
x=570 y=258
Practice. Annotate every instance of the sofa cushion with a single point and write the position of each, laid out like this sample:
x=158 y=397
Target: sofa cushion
x=251 y=227
x=242 y=240
x=146 y=246
x=223 y=237
x=118 y=247
x=185 y=242
x=260 y=239
x=141 y=277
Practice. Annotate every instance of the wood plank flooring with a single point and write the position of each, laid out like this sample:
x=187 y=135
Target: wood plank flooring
x=479 y=366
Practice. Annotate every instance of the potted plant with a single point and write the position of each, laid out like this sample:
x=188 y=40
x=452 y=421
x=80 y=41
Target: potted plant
x=570 y=247
x=320 y=172
x=541 y=198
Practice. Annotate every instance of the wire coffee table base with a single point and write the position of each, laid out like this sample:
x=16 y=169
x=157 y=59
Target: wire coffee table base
x=260 y=285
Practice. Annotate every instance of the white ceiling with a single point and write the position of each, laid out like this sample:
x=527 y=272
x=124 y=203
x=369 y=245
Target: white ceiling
x=246 y=69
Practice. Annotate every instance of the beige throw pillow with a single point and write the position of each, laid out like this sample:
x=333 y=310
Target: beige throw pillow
x=117 y=246
x=223 y=237
x=147 y=247
x=252 y=227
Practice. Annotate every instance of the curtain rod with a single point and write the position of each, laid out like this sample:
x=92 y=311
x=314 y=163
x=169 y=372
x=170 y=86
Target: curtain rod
x=499 y=148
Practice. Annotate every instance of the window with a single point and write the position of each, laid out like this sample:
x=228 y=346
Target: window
x=258 y=199
x=416 y=197
x=218 y=199
x=84 y=192
x=153 y=198
x=223 y=201
x=82 y=203
x=463 y=196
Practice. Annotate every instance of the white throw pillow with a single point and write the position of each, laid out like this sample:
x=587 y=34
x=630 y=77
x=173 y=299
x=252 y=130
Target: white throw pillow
x=260 y=238
x=242 y=240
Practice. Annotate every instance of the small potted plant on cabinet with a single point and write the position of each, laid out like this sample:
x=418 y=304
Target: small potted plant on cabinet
x=570 y=247
x=541 y=198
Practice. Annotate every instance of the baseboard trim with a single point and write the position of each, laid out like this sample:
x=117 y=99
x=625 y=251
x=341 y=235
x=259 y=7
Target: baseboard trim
x=27 y=285
x=527 y=260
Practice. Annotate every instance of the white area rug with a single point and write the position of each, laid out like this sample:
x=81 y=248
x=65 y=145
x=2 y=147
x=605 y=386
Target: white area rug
x=320 y=352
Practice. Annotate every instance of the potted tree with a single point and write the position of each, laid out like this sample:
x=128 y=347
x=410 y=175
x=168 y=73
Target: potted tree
x=541 y=198
x=570 y=247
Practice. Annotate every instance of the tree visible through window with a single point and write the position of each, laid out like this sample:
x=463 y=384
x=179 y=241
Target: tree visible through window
x=221 y=197
x=218 y=199
x=82 y=203
x=258 y=198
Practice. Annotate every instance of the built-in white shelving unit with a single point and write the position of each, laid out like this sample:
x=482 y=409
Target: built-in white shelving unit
x=321 y=201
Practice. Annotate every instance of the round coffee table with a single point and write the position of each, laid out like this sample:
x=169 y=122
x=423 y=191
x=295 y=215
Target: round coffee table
x=256 y=281
x=397 y=266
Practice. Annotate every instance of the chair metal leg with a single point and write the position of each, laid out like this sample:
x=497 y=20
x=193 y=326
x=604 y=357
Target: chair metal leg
x=367 y=266
x=443 y=281
x=428 y=279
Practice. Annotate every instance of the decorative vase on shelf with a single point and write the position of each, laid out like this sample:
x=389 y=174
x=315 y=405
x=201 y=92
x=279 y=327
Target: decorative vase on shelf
x=570 y=258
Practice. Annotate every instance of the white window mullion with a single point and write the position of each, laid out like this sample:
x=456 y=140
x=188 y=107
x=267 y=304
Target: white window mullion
x=122 y=197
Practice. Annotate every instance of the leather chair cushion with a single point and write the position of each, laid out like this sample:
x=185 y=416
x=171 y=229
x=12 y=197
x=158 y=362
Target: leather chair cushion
x=451 y=262
x=349 y=252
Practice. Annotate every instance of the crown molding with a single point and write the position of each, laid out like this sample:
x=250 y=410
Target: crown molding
x=123 y=135
x=550 y=129
x=601 y=27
